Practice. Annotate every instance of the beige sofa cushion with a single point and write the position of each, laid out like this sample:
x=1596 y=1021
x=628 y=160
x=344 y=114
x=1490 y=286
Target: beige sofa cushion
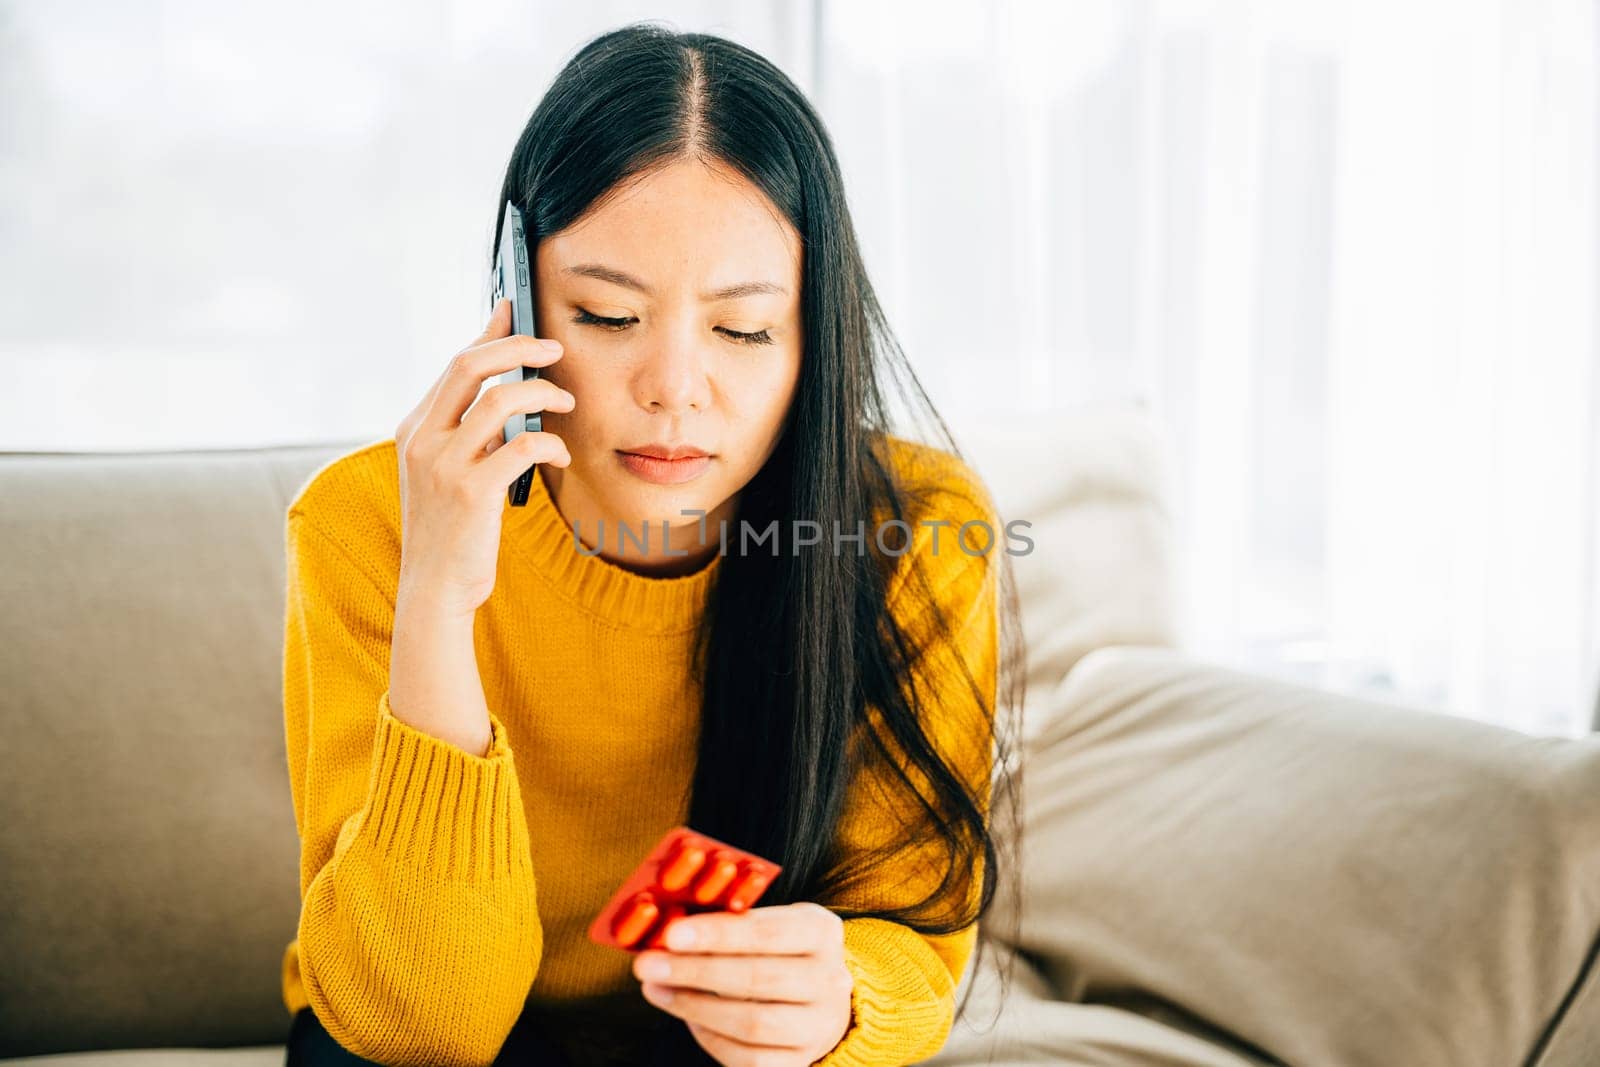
x=1094 y=484
x=1030 y=1024
x=1330 y=880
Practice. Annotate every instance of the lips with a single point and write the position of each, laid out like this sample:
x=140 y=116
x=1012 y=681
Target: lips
x=665 y=471
x=668 y=452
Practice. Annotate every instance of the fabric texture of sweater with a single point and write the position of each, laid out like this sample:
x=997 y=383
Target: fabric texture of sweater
x=446 y=893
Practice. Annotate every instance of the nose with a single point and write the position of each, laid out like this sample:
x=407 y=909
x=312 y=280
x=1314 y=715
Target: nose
x=673 y=378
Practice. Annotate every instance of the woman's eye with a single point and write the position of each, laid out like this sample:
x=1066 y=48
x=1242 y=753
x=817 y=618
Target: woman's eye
x=760 y=337
x=585 y=318
x=588 y=318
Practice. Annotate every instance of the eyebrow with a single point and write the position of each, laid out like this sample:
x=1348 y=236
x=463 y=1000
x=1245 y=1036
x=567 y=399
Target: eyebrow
x=628 y=281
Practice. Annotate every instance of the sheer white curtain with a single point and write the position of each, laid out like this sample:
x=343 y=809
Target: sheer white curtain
x=1347 y=252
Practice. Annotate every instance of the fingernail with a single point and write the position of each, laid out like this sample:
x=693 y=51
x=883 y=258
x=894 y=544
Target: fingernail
x=680 y=937
x=658 y=993
x=551 y=343
x=656 y=969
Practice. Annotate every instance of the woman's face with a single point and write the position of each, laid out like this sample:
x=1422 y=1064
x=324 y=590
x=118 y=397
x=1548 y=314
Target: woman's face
x=685 y=261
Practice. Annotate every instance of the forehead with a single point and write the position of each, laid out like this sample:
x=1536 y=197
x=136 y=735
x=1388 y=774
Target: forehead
x=687 y=225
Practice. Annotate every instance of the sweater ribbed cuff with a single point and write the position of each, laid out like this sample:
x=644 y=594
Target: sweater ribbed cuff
x=441 y=809
x=894 y=1014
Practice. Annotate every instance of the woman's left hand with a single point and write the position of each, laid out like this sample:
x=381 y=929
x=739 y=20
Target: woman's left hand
x=766 y=987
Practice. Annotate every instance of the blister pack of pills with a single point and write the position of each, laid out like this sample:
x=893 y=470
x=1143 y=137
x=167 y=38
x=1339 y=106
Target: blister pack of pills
x=685 y=874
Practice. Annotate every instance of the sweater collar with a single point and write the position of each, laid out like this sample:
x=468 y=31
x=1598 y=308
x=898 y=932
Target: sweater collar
x=545 y=540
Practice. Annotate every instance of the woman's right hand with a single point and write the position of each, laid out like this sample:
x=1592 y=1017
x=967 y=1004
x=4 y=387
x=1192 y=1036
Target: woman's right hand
x=454 y=472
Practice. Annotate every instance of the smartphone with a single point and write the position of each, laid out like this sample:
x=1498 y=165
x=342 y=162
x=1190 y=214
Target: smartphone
x=513 y=277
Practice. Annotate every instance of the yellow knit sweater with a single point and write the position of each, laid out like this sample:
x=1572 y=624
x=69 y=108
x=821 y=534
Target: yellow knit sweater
x=445 y=892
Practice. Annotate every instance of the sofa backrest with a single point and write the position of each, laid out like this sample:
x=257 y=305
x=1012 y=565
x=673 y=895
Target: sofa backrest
x=1095 y=487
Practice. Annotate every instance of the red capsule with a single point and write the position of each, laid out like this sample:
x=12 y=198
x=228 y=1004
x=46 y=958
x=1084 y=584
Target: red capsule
x=636 y=918
x=748 y=889
x=719 y=874
x=680 y=870
x=658 y=935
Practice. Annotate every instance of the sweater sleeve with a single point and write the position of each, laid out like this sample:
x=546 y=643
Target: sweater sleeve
x=903 y=1002
x=419 y=936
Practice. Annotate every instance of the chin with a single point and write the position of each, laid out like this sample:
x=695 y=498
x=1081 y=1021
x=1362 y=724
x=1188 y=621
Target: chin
x=656 y=504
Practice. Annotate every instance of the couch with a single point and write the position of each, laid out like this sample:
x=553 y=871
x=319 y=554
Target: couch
x=1218 y=868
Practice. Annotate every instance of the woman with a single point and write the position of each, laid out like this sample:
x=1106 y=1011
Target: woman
x=494 y=712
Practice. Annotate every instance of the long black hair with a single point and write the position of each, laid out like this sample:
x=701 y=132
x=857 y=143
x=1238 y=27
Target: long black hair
x=795 y=647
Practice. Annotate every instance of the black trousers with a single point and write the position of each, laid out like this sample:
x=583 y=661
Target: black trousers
x=310 y=1045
